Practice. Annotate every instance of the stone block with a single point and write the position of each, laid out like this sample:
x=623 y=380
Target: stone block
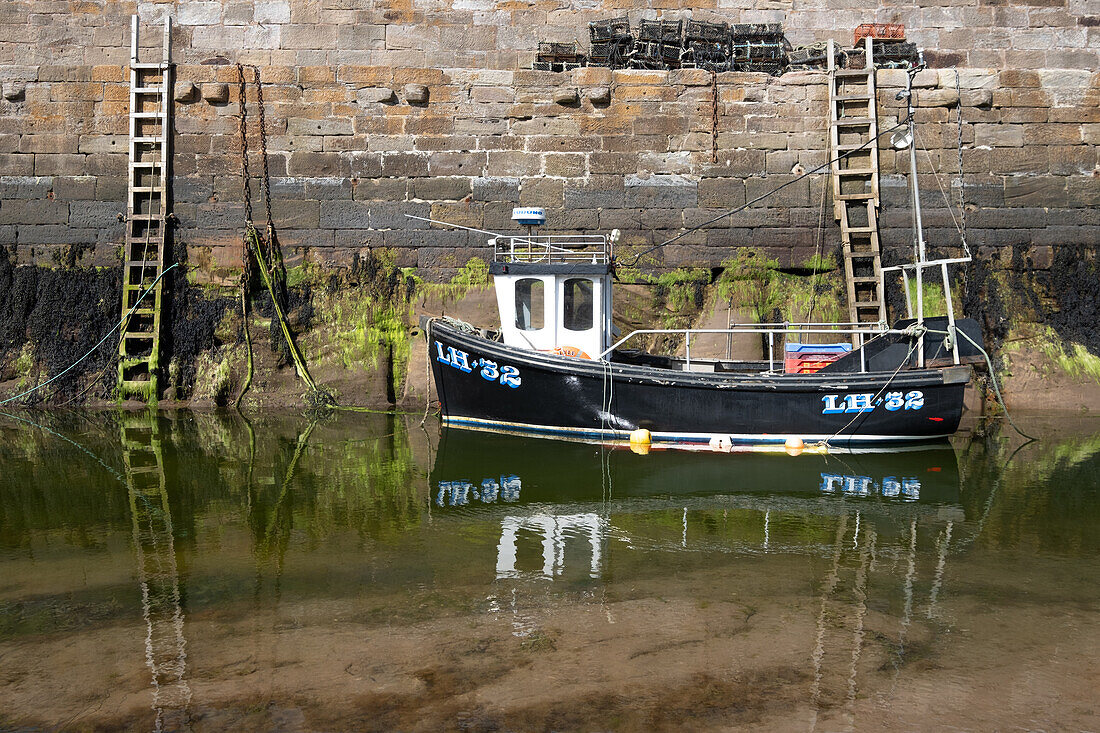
x=392 y=215
x=93 y=214
x=496 y=188
x=612 y=163
x=361 y=36
x=545 y=192
x=426 y=238
x=492 y=95
x=325 y=189
x=215 y=92
x=999 y=136
x=14 y=90
x=567 y=165
x=600 y=96
x=304 y=163
x=307 y=36
x=404 y=164
x=33 y=211
x=185 y=91
x=600 y=193
x=415 y=93
x=74 y=188
x=512 y=163
x=457 y=164
x=199 y=13
x=271 y=11
x=440 y=189
x=341 y=214
x=721 y=193
x=660 y=191
x=588 y=76
x=291 y=214
x=327 y=126
x=689 y=77
x=1033 y=191
x=63 y=164
x=47 y=234
x=378 y=189
x=566 y=97
x=938 y=98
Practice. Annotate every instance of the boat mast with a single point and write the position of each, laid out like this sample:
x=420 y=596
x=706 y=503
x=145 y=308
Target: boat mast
x=909 y=138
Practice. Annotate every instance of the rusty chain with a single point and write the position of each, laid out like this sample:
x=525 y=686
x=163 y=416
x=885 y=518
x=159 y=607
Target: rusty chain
x=714 y=116
x=241 y=125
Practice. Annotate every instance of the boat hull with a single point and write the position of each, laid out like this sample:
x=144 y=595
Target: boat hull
x=486 y=385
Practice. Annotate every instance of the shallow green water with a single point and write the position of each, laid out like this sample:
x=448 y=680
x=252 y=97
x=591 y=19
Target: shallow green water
x=204 y=572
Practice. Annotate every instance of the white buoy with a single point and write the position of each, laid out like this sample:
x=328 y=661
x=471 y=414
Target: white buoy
x=794 y=445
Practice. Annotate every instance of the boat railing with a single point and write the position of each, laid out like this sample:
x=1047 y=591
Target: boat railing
x=861 y=332
x=916 y=270
x=576 y=248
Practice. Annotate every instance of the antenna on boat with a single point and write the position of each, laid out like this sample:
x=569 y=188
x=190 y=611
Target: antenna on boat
x=530 y=217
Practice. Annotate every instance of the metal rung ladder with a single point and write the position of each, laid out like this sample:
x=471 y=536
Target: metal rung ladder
x=146 y=218
x=853 y=130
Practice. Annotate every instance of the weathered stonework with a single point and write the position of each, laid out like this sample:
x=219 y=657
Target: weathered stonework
x=375 y=111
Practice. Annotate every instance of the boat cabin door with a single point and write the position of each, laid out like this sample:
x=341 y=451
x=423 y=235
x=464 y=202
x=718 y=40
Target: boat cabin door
x=568 y=313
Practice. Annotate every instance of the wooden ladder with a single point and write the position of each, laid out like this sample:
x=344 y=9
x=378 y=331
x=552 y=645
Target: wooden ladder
x=853 y=130
x=146 y=219
x=157 y=571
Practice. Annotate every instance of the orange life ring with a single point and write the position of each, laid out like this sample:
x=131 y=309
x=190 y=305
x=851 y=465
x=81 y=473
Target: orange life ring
x=569 y=351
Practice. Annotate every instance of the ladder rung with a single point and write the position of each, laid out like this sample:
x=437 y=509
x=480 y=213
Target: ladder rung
x=148 y=139
x=855 y=196
x=143 y=263
x=147 y=217
x=149 y=65
x=853 y=98
x=147 y=115
x=146 y=164
x=867 y=304
x=865 y=279
x=850 y=73
x=139 y=335
x=143 y=312
x=147 y=189
x=854 y=171
x=147 y=90
x=853 y=121
x=860 y=230
x=851 y=146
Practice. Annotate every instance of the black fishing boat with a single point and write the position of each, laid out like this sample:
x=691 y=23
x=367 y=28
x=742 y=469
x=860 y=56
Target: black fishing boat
x=555 y=367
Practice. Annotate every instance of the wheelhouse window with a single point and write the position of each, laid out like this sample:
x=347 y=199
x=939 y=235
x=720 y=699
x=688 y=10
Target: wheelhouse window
x=577 y=305
x=529 y=304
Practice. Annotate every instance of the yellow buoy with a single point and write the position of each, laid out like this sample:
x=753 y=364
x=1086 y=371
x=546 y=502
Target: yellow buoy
x=641 y=436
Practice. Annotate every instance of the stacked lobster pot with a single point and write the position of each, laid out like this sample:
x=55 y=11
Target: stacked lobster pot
x=706 y=46
x=612 y=43
x=557 y=57
x=813 y=56
x=659 y=45
x=758 y=47
x=890 y=48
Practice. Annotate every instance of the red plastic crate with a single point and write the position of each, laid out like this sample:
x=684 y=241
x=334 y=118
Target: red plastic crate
x=808 y=365
x=881 y=31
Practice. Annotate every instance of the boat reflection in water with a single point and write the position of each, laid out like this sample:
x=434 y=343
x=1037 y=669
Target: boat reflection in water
x=891 y=515
x=558 y=489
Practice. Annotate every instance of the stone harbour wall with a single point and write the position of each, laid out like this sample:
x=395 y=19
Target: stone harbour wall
x=377 y=110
